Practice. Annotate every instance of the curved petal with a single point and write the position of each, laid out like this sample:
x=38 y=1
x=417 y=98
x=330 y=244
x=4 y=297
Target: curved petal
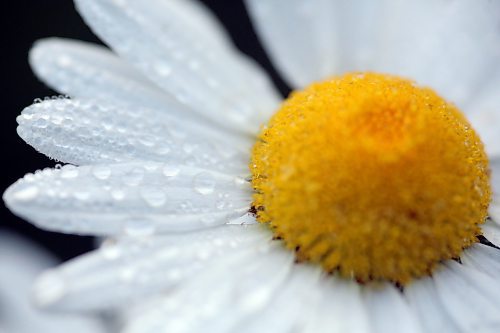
x=341 y=308
x=131 y=269
x=400 y=318
x=87 y=132
x=242 y=298
x=300 y=36
x=485 y=119
x=484 y=258
x=85 y=70
x=470 y=297
x=491 y=230
x=451 y=46
x=20 y=262
x=432 y=315
x=134 y=198
x=169 y=49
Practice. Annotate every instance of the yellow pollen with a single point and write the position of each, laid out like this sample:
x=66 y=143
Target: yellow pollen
x=371 y=176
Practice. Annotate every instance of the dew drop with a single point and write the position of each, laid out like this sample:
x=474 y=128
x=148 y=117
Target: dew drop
x=204 y=183
x=69 y=171
x=163 y=69
x=26 y=194
x=150 y=166
x=82 y=196
x=127 y=275
x=110 y=252
x=164 y=150
x=134 y=177
x=101 y=171
x=170 y=170
x=118 y=194
x=49 y=288
x=154 y=197
x=139 y=227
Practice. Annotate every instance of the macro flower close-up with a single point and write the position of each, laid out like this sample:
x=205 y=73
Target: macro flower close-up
x=367 y=200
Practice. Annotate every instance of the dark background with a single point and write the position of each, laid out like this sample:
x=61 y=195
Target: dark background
x=23 y=22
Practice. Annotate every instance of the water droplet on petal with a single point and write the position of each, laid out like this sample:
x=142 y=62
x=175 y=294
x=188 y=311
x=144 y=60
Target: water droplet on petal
x=208 y=220
x=170 y=170
x=133 y=177
x=101 y=171
x=118 y=194
x=49 y=288
x=204 y=183
x=163 y=69
x=139 y=227
x=80 y=195
x=69 y=171
x=155 y=197
x=110 y=252
x=26 y=194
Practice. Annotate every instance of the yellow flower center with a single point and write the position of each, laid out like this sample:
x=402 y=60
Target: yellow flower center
x=371 y=176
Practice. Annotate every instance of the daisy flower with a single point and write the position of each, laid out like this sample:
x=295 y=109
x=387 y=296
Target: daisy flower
x=364 y=202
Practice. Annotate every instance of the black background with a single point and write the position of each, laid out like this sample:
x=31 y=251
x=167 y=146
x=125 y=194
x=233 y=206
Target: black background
x=23 y=22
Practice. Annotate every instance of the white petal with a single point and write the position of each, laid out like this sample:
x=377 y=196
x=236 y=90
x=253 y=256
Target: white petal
x=134 y=198
x=491 y=230
x=400 y=318
x=299 y=35
x=292 y=306
x=451 y=46
x=164 y=40
x=494 y=209
x=431 y=313
x=88 y=132
x=341 y=308
x=485 y=120
x=241 y=287
x=86 y=70
x=131 y=269
x=483 y=258
x=470 y=297
x=495 y=175
x=20 y=262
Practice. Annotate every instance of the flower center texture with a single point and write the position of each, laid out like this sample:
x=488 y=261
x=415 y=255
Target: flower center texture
x=372 y=177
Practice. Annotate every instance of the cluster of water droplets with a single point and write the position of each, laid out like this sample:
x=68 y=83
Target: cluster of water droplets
x=137 y=198
x=194 y=64
x=89 y=132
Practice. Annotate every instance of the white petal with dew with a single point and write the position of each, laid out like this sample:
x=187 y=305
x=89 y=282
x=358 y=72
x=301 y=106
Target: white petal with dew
x=85 y=70
x=88 y=132
x=164 y=41
x=132 y=270
x=134 y=198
